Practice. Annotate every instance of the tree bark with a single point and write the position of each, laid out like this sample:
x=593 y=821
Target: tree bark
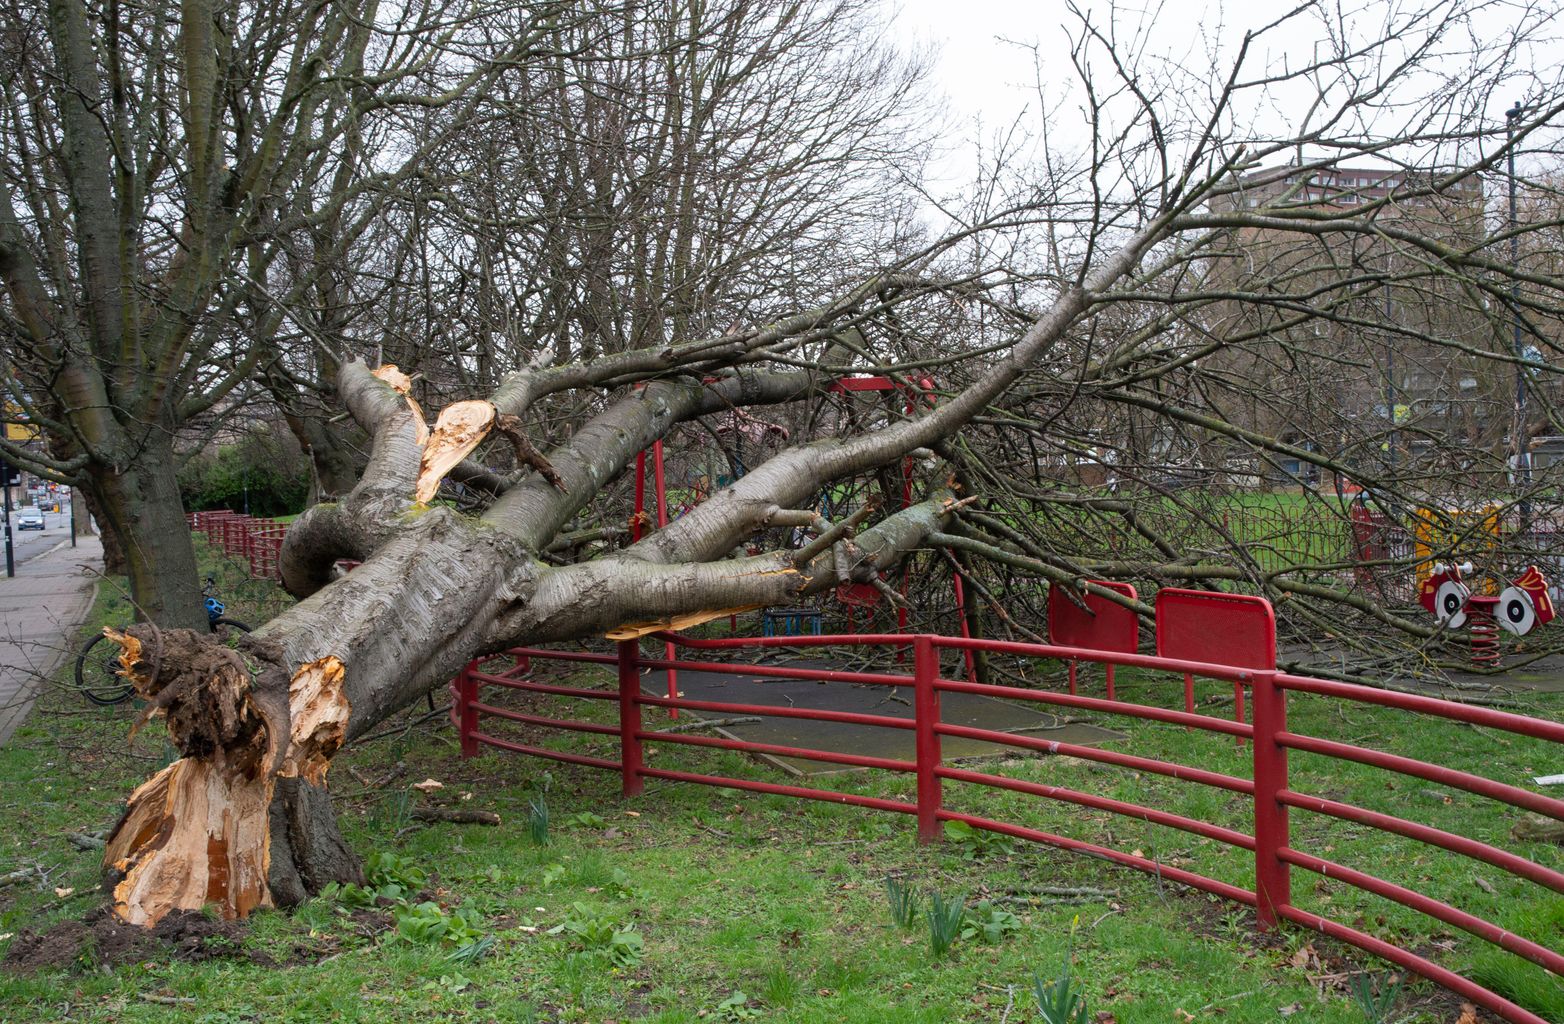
x=141 y=500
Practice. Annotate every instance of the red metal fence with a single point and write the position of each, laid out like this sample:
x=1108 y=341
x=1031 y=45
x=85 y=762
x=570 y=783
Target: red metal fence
x=257 y=541
x=1270 y=840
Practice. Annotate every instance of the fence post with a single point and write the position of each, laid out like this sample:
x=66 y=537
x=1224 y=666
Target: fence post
x=466 y=697
x=925 y=708
x=1272 y=875
x=630 y=755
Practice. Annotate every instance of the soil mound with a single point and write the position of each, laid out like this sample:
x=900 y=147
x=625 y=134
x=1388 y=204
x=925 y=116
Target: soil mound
x=100 y=938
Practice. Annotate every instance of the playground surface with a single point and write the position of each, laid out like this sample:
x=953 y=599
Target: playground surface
x=840 y=737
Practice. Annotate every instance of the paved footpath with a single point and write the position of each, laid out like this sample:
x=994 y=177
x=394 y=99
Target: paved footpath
x=40 y=611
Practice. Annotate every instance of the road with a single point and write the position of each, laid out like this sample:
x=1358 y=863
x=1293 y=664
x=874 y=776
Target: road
x=32 y=543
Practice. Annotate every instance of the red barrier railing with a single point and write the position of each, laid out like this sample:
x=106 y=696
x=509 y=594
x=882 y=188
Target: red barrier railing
x=256 y=541
x=1268 y=788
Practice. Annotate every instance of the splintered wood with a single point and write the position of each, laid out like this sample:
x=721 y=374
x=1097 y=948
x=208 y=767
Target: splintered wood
x=402 y=384
x=460 y=429
x=198 y=832
x=632 y=630
x=318 y=721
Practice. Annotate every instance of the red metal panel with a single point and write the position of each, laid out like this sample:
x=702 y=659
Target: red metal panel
x=631 y=756
x=467 y=684
x=1219 y=629
x=1101 y=626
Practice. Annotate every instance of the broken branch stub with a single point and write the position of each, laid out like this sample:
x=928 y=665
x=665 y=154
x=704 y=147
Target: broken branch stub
x=402 y=384
x=462 y=426
x=318 y=719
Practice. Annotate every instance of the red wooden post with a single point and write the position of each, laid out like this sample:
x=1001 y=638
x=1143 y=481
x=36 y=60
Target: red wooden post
x=1272 y=878
x=925 y=708
x=630 y=752
x=1111 y=695
x=467 y=698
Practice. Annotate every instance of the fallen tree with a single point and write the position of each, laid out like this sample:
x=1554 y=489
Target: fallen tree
x=242 y=819
x=1130 y=315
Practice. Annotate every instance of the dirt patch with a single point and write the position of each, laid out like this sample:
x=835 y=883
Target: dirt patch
x=100 y=938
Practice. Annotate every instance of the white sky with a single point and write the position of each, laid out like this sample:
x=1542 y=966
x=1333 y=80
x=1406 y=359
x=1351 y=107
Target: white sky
x=990 y=80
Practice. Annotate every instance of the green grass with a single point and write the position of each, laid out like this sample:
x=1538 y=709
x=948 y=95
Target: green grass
x=784 y=900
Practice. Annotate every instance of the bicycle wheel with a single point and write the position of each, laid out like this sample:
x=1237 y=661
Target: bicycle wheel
x=97 y=673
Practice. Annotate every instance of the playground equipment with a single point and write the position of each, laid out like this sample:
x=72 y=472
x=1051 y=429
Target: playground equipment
x=1519 y=608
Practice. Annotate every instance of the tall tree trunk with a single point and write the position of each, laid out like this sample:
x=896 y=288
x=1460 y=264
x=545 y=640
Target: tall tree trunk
x=139 y=504
x=81 y=515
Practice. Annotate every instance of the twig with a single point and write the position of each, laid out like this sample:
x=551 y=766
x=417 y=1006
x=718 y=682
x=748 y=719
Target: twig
x=1010 y=1002
x=458 y=815
x=19 y=875
x=409 y=727
x=1104 y=917
x=152 y=997
x=1067 y=890
x=710 y=723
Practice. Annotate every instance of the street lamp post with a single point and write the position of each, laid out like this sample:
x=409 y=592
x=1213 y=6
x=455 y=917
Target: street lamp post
x=1522 y=454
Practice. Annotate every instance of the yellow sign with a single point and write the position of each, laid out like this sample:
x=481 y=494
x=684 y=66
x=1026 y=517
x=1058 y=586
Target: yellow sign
x=15 y=431
x=1460 y=535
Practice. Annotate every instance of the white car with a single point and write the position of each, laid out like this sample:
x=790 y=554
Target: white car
x=29 y=518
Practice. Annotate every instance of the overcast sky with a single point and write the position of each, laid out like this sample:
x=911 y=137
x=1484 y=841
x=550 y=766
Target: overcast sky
x=984 y=64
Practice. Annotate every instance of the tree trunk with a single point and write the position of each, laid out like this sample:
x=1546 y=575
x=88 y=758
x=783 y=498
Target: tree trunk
x=81 y=516
x=141 y=500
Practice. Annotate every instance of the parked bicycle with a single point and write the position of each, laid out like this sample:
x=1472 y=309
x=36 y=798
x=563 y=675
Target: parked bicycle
x=97 y=667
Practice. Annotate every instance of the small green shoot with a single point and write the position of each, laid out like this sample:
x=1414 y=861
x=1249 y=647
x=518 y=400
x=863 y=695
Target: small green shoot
x=1061 y=1001
x=1376 y=1005
x=905 y=903
x=600 y=934
x=944 y=920
x=736 y=1007
x=537 y=820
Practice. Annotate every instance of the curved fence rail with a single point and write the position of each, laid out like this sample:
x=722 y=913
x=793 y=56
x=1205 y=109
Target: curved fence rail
x=257 y=541
x=1268 y=788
